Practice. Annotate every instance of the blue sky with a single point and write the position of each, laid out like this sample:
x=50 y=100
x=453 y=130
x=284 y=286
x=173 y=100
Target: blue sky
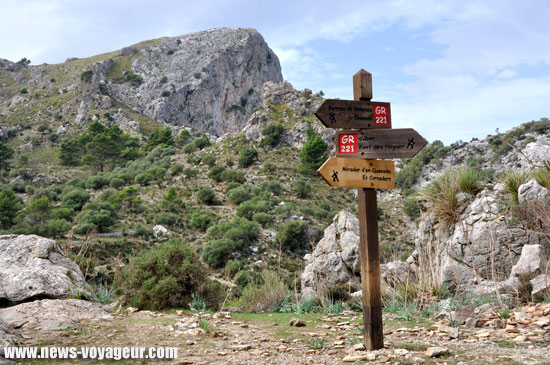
x=451 y=69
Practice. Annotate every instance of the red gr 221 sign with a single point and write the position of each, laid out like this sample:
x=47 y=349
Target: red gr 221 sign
x=381 y=114
x=347 y=143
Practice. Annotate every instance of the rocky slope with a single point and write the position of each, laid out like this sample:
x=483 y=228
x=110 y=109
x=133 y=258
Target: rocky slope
x=210 y=81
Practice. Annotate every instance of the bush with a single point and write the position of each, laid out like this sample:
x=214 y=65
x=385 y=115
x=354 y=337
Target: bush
x=140 y=229
x=167 y=219
x=233 y=176
x=96 y=182
x=143 y=179
x=176 y=169
x=164 y=277
x=101 y=214
x=189 y=148
x=411 y=207
x=238 y=195
x=314 y=153
x=84 y=228
x=292 y=235
x=189 y=172
x=74 y=199
x=262 y=218
x=53 y=228
x=207 y=196
x=247 y=157
x=116 y=182
x=215 y=173
x=201 y=142
x=263 y=297
x=202 y=220
x=209 y=159
x=442 y=195
x=542 y=176
x=272 y=133
x=468 y=180
x=216 y=253
x=232 y=268
x=302 y=188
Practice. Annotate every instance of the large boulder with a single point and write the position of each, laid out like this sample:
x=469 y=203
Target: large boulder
x=36 y=267
x=478 y=252
x=531 y=263
x=532 y=191
x=53 y=314
x=335 y=259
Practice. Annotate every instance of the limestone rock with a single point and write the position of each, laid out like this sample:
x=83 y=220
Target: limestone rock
x=8 y=336
x=54 y=314
x=208 y=80
x=532 y=191
x=530 y=264
x=160 y=231
x=8 y=65
x=436 y=351
x=540 y=285
x=535 y=153
x=33 y=266
x=462 y=313
x=335 y=259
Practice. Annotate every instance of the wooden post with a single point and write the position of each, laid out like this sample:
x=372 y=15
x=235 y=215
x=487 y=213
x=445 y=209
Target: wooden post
x=369 y=251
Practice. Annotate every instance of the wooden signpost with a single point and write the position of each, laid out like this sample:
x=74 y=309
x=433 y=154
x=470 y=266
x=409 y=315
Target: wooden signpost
x=379 y=143
x=373 y=139
x=335 y=113
x=353 y=173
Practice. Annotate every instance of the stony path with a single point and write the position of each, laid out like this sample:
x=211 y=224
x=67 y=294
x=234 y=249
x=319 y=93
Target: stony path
x=226 y=338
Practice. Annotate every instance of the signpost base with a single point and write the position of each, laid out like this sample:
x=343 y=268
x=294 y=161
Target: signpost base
x=370 y=270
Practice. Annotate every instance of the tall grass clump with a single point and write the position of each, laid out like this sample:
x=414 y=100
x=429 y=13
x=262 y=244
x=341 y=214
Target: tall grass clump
x=263 y=297
x=512 y=181
x=442 y=196
x=469 y=179
x=542 y=175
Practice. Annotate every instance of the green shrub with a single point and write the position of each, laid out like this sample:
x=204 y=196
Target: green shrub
x=207 y=196
x=189 y=148
x=264 y=219
x=233 y=176
x=74 y=199
x=164 y=277
x=86 y=76
x=143 y=179
x=263 y=297
x=140 y=230
x=189 y=172
x=292 y=234
x=63 y=213
x=85 y=228
x=176 y=169
x=217 y=252
x=272 y=133
x=116 y=182
x=168 y=219
x=248 y=208
x=302 y=188
x=101 y=214
x=432 y=153
x=201 y=142
x=53 y=228
x=314 y=153
x=411 y=207
x=468 y=180
x=232 y=268
x=247 y=157
x=202 y=220
x=215 y=173
x=209 y=159
x=238 y=195
x=96 y=182
x=183 y=138
x=10 y=205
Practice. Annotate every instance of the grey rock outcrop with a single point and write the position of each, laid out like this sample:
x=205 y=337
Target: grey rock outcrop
x=209 y=80
x=8 y=65
x=478 y=252
x=35 y=267
x=533 y=191
x=335 y=259
x=54 y=314
x=531 y=263
x=8 y=337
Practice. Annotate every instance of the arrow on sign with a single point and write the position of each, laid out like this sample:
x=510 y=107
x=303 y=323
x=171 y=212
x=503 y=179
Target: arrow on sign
x=334 y=113
x=379 y=143
x=358 y=173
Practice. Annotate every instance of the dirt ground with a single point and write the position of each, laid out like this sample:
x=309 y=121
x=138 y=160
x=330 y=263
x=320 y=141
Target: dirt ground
x=237 y=338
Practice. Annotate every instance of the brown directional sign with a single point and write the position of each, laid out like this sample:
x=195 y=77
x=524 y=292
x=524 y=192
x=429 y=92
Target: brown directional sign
x=358 y=173
x=350 y=114
x=379 y=143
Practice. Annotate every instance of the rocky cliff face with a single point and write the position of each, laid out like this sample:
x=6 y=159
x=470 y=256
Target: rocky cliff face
x=208 y=80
